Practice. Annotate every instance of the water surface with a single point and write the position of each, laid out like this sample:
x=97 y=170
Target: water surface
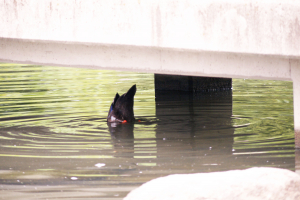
x=55 y=141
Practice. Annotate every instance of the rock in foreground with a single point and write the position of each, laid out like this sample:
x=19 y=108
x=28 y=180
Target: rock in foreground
x=250 y=184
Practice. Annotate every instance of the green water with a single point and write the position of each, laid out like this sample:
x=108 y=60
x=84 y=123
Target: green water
x=55 y=141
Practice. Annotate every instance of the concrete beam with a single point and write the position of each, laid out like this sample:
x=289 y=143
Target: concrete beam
x=145 y=59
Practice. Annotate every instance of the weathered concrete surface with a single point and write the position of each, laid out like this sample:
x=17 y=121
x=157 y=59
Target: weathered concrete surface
x=145 y=59
x=250 y=184
x=258 y=27
x=297 y=161
x=295 y=72
x=233 y=39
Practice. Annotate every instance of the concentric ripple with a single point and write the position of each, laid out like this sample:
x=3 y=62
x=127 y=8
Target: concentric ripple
x=55 y=141
x=54 y=112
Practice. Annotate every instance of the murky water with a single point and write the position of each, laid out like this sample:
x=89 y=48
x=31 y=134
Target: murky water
x=55 y=142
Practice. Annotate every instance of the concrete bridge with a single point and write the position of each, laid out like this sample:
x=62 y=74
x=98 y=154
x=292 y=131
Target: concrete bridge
x=230 y=39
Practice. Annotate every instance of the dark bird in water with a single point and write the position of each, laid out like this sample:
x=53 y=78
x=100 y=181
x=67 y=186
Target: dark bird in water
x=121 y=109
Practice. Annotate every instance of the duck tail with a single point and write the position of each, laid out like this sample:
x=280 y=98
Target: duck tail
x=114 y=103
x=116 y=98
x=131 y=92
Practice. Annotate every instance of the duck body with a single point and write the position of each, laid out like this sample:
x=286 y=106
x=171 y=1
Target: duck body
x=121 y=109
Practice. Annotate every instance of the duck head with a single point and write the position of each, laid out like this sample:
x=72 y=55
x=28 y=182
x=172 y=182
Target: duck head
x=121 y=109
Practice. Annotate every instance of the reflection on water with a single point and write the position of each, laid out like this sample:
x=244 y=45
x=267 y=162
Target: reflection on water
x=197 y=130
x=55 y=141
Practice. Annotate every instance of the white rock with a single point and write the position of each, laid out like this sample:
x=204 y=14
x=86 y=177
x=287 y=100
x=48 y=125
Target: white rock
x=251 y=184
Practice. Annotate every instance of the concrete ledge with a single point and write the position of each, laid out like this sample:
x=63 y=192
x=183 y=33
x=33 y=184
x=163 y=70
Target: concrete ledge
x=254 y=183
x=145 y=59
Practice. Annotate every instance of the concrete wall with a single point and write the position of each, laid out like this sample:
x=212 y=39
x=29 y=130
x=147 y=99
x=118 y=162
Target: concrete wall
x=257 y=27
x=243 y=39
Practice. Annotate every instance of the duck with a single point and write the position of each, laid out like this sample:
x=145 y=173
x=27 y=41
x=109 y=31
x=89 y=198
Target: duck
x=121 y=109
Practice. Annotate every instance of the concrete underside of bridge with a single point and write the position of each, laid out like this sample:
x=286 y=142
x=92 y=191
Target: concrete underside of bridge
x=191 y=84
x=224 y=39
